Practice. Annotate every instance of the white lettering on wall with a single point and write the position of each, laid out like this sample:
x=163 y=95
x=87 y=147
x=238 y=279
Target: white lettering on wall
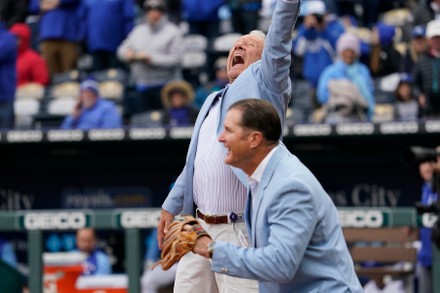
x=372 y=195
x=12 y=200
x=53 y=221
x=366 y=195
x=139 y=219
x=361 y=218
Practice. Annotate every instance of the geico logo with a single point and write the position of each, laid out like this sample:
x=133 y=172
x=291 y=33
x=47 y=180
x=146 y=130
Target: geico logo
x=428 y=220
x=360 y=218
x=139 y=219
x=63 y=220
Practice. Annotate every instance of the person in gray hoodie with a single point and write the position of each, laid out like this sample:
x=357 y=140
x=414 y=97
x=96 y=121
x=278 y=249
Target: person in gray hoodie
x=153 y=51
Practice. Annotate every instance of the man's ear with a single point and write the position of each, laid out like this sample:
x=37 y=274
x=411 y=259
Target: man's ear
x=256 y=138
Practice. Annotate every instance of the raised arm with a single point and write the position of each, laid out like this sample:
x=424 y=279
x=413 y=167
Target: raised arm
x=276 y=58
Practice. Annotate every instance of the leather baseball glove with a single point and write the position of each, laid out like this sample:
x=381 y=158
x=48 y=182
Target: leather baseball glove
x=179 y=240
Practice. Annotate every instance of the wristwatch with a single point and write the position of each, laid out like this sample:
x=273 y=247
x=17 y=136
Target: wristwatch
x=211 y=249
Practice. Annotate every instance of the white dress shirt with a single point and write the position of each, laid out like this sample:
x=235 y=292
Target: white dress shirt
x=216 y=188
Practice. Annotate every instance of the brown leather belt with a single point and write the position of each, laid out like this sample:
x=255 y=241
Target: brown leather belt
x=216 y=219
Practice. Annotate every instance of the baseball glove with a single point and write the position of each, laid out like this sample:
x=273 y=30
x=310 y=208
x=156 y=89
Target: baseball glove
x=180 y=240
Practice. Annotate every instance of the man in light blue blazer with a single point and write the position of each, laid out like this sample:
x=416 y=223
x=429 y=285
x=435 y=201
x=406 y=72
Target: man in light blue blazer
x=297 y=241
x=258 y=66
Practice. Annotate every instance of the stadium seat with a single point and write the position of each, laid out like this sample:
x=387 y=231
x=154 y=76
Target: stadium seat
x=112 y=90
x=114 y=74
x=225 y=42
x=112 y=83
x=301 y=102
x=383 y=113
x=69 y=89
x=147 y=119
x=66 y=84
x=195 y=43
x=61 y=106
x=73 y=75
x=31 y=90
x=24 y=110
x=194 y=58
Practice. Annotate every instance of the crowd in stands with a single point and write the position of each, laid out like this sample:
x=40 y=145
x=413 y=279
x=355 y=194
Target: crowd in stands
x=351 y=57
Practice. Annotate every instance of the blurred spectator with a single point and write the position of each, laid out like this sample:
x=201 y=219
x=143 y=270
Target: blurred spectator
x=425 y=11
x=108 y=23
x=427 y=72
x=60 y=31
x=31 y=67
x=92 y=111
x=97 y=262
x=7 y=253
x=202 y=17
x=220 y=81
x=245 y=15
x=13 y=11
x=384 y=57
x=154 y=279
x=417 y=46
x=178 y=97
x=8 y=76
x=153 y=50
x=351 y=24
x=424 y=257
x=173 y=8
x=406 y=107
x=316 y=42
x=345 y=88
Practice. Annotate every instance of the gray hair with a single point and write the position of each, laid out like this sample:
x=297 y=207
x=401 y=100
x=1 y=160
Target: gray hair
x=259 y=34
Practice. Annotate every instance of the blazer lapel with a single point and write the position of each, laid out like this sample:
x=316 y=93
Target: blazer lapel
x=260 y=190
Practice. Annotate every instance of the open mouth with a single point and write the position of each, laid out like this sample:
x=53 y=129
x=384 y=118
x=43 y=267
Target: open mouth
x=237 y=60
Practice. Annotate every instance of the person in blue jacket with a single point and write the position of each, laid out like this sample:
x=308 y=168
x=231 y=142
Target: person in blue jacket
x=92 y=111
x=97 y=262
x=108 y=23
x=356 y=78
x=429 y=197
x=8 y=75
x=61 y=30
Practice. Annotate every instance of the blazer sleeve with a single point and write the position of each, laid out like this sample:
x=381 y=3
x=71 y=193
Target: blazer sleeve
x=291 y=221
x=174 y=201
x=287 y=218
x=276 y=57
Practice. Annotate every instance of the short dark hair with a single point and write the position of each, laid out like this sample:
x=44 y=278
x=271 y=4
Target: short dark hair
x=260 y=115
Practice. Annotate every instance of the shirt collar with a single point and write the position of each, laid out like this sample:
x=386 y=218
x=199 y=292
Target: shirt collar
x=255 y=178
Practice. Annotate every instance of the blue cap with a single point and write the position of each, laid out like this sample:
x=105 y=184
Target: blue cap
x=90 y=85
x=418 y=31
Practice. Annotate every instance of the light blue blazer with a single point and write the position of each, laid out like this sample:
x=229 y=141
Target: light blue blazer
x=297 y=243
x=268 y=79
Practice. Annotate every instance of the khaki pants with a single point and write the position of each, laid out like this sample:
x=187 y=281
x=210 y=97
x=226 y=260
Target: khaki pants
x=194 y=273
x=60 y=55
